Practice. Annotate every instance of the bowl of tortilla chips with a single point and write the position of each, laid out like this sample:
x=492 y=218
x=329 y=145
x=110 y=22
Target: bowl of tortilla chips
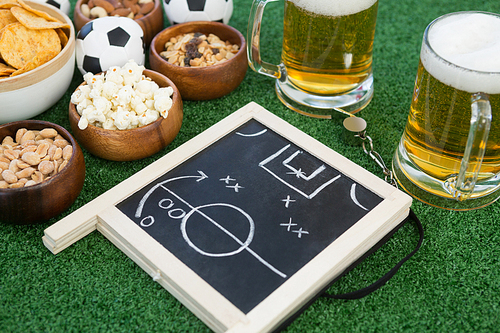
x=37 y=58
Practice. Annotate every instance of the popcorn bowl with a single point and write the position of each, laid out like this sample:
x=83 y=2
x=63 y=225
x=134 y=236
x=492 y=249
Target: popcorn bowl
x=151 y=23
x=31 y=93
x=38 y=203
x=136 y=143
x=202 y=83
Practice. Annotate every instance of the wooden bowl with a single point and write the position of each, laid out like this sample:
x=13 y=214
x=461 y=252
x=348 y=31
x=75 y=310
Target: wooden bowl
x=31 y=93
x=131 y=144
x=151 y=24
x=40 y=202
x=202 y=83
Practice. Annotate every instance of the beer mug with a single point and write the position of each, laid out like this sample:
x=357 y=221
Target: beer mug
x=449 y=154
x=326 y=60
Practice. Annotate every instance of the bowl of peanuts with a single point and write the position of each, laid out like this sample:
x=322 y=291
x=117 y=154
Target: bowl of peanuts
x=37 y=58
x=126 y=113
x=42 y=171
x=205 y=60
x=147 y=13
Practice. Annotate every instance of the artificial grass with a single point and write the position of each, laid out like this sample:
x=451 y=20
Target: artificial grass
x=451 y=285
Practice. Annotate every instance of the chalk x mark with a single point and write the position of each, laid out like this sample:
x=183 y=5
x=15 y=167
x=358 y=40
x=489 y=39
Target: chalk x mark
x=288 y=225
x=236 y=187
x=226 y=179
x=287 y=201
x=300 y=232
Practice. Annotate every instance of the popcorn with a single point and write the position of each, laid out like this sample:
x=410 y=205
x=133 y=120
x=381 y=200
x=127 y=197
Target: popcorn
x=122 y=98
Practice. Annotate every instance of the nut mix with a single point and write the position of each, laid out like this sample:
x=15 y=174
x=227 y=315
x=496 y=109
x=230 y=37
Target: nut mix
x=32 y=156
x=28 y=38
x=198 y=50
x=133 y=9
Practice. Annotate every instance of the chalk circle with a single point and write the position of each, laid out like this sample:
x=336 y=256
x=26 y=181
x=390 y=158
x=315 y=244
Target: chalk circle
x=147 y=221
x=243 y=245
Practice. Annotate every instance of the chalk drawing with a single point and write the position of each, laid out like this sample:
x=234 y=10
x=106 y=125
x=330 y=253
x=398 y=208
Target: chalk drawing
x=227 y=179
x=287 y=201
x=243 y=245
x=288 y=225
x=252 y=134
x=236 y=187
x=300 y=232
x=353 y=197
x=297 y=172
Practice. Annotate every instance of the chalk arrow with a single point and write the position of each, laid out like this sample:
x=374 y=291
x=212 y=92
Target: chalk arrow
x=199 y=178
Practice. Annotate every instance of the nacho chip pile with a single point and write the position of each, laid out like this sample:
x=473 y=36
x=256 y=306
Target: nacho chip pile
x=28 y=37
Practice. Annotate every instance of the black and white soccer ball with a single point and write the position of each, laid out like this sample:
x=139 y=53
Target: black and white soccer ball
x=63 y=5
x=109 y=41
x=180 y=11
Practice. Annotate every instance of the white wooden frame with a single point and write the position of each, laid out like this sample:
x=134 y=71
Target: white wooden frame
x=196 y=294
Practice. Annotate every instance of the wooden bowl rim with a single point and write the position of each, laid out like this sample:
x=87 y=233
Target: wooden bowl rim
x=138 y=130
x=60 y=130
x=44 y=71
x=77 y=11
x=184 y=27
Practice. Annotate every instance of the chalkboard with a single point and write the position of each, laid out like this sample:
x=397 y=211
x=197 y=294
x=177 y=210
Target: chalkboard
x=245 y=223
x=249 y=211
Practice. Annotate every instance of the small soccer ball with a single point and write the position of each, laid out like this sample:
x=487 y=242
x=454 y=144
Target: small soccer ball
x=180 y=11
x=109 y=41
x=63 y=5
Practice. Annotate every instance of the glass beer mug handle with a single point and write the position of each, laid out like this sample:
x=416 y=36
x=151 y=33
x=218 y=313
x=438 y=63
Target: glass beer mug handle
x=253 y=43
x=476 y=145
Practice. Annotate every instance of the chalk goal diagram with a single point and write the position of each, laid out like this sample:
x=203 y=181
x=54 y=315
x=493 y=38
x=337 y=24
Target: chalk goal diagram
x=248 y=212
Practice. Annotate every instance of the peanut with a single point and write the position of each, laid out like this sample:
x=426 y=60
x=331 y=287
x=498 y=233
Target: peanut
x=31 y=158
x=133 y=9
x=9 y=176
x=46 y=167
x=48 y=133
x=34 y=156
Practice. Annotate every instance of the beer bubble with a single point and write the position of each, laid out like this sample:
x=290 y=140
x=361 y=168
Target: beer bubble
x=334 y=7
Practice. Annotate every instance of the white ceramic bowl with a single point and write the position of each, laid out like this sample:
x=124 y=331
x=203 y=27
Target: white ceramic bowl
x=29 y=94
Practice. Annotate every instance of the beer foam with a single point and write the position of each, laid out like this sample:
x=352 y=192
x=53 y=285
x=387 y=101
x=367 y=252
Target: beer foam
x=334 y=7
x=470 y=41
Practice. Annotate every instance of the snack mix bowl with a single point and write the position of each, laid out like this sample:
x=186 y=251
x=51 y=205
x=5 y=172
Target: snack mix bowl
x=150 y=22
x=136 y=143
x=60 y=184
x=201 y=83
x=26 y=95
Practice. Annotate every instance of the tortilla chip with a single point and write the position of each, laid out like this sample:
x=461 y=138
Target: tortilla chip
x=7 y=4
x=6 y=18
x=33 y=21
x=18 y=44
x=63 y=37
x=38 y=60
x=37 y=12
x=6 y=69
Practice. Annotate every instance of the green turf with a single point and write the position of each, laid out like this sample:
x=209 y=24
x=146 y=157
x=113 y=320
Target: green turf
x=451 y=285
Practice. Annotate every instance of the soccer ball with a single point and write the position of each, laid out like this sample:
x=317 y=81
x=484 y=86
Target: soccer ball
x=63 y=5
x=109 y=41
x=180 y=11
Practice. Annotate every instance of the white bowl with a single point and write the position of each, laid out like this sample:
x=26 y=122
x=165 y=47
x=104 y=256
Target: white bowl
x=29 y=94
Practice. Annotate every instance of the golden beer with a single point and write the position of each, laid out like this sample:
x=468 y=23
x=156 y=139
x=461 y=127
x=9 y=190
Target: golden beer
x=327 y=45
x=443 y=141
x=438 y=127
